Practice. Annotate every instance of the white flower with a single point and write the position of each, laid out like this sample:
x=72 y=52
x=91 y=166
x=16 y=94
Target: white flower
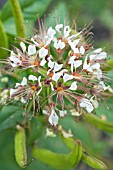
x=50 y=133
x=12 y=91
x=51 y=32
x=31 y=50
x=56 y=76
x=23 y=83
x=62 y=113
x=97 y=50
x=43 y=52
x=75 y=113
x=15 y=61
x=99 y=56
x=59 y=27
x=59 y=44
x=32 y=78
x=73 y=45
x=87 y=104
x=66 y=31
x=23 y=46
x=82 y=50
x=73 y=86
x=32 y=39
x=94 y=102
x=53 y=118
x=106 y=87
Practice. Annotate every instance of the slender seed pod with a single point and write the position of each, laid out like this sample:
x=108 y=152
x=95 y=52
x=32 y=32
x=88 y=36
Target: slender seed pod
x=20 y=147
x=86 y=158
x=59 y=161
x=93 y=162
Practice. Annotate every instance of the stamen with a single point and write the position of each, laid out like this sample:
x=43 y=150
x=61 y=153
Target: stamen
x=34 y=88
x=36 y=63
x=59 y=88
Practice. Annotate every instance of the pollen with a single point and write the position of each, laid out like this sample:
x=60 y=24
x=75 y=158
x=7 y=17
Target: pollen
x=34 y=88
x=51 y=74
x=75 y=74
x=36 y=63
x=58 y=51
x=59 y=88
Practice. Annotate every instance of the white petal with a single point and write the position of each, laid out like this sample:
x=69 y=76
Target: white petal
x=77 y=63
x=53 y=118
x=63 y=71
x=51 y=64
x=62 y=113
x=96 y=66
x=101 y=56
x=39 y=91
x=45 y=112
x=43 y=62
x=32 y=78
x=82 y=50
x=16 y=61
x=31 y=50
x=51 y=32
x=74 y=43
x=32 y=39
x=73 y=86
x=67 y=77
x=23 y=100
x=56 y=76
x=97 y=50
x=72 y=59
x=50 y=133
x=23 y=46
x=39 y=78
x=51 y=84
x=57 y=67
x=66 y=31
x=59 y=27
x=24 y=81
x=43 y=52
x=75 y=113
x=94 y=102
x=12 y=91
x=87 y=104
x=59 y=44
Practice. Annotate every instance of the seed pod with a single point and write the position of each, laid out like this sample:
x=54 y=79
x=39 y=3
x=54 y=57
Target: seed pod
x=93 y=162
x=20 y=147
x=59 y=161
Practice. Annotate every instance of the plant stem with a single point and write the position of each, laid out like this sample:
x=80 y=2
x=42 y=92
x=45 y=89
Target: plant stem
x=99 y=123
x=3 y=41
x=19 y=21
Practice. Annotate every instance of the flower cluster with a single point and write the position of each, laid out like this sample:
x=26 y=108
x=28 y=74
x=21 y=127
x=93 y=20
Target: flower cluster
x=64 y=73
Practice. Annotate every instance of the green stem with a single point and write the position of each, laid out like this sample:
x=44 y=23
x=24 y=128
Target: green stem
x=99 y=123
x=19 y=21
x=3 y=41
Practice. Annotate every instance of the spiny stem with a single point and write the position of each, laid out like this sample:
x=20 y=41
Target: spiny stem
x=19 y=21
x=3 y=41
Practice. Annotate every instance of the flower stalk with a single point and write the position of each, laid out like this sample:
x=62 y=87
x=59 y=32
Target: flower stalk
x=3 y=41
x=19 y=21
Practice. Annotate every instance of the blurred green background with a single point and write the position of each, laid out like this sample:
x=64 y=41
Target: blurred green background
x=98 y=14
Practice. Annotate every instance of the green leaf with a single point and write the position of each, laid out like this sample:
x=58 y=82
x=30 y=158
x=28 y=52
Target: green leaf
x=12 y=119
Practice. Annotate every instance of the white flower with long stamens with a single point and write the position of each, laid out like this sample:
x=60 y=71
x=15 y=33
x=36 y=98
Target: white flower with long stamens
x=85 y=103
x=74 y=63
x=53 y=118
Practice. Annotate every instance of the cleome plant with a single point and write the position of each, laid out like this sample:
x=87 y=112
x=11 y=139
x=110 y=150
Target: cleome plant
x=56 y=74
